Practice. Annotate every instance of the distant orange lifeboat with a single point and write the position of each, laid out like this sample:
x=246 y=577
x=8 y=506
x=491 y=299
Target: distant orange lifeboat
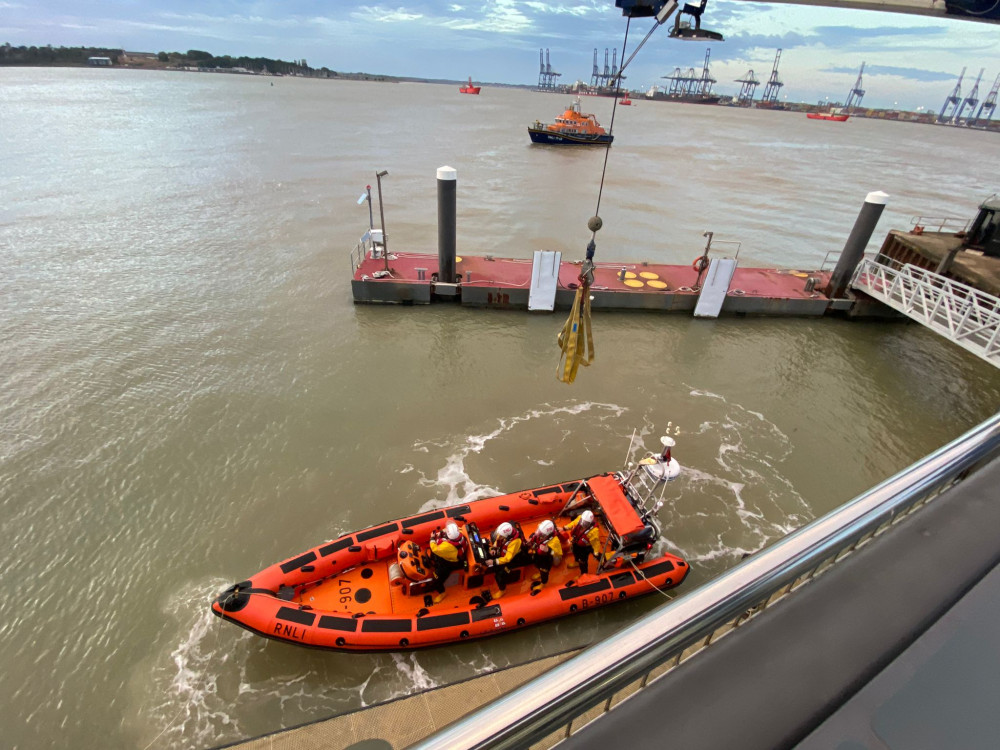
x=573 y=128
x=469 y=88
x=372 y=590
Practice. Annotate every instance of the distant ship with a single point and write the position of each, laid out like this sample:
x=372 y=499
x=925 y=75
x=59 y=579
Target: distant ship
x=684 y=98
x=836 y=117
x=572 y=128
x=469 y=88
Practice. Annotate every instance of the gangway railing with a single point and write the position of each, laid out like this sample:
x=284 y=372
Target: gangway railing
x=959 y=312
x=940 y=223
x=553 y=706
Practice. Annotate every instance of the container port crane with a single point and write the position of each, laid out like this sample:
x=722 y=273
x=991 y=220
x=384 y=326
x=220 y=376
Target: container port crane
x=952 y=101
x=970 y=101
x=987 y=108
x=750 y=83
x=546 y=76
x=607 y=78
x=857 y=93
x=774 y=84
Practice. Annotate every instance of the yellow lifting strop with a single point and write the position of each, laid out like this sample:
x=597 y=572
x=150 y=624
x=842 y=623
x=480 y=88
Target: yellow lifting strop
x=576 y=340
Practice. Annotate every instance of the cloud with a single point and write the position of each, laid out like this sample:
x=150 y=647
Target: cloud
x=579 y=9
x=913 y=74
x=398 y=15
x=500 y=16
x=875 y=32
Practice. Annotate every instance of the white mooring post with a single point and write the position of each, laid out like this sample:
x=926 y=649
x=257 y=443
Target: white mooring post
x=854 y=250
x=447 y=179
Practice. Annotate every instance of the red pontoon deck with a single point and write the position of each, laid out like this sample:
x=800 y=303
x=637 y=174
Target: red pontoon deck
x=413 y=278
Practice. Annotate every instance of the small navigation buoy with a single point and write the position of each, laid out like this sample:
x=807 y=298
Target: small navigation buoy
x=662 y=467
x=667 y=442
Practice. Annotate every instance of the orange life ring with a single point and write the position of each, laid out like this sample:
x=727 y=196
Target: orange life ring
x=699 y=264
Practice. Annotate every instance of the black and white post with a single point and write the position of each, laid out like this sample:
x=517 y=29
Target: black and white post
x=854 y=250
x=447 y=179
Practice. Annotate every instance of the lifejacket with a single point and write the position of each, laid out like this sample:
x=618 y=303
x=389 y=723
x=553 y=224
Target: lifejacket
x=507 y=550
x=584 y=537
x=545 y=546
x=449 y=550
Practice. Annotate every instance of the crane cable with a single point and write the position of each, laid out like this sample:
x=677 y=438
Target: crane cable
x=578 y=324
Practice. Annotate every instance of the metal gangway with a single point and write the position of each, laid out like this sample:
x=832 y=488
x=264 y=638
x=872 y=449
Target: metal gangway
x=959 y=312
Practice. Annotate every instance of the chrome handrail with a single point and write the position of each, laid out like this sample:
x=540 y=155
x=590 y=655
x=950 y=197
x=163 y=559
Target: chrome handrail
x=546 y=704
x=826 y=258
x=955 y=224
x=738 y=243
x=357 y=257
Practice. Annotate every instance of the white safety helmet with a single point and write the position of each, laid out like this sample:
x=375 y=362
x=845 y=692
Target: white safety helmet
x=546 y=528
x=586 y=518
x=504 y=531
x=451 y=531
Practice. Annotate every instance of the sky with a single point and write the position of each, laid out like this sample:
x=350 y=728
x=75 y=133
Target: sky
x=911 y=62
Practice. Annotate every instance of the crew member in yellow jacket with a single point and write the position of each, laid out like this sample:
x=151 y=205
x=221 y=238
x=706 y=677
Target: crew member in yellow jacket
x=585 y=540
x=546 y=551
x=507 y=547
x=449 y=551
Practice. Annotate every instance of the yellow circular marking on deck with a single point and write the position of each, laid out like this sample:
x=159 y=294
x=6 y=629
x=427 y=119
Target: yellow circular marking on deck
x=649 y=275
x=657 y=284
x=458 y=258
x=634 y=283
x=629 y=275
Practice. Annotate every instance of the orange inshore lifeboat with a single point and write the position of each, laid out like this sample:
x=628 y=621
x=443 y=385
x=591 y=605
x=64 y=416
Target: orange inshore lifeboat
x=371 y=590
x=572 y=128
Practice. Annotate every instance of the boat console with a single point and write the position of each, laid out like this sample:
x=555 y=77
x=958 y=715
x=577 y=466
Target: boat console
x=478 y=545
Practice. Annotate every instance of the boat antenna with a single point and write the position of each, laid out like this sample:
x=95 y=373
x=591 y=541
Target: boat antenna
x=630 y=442
x=367 y=196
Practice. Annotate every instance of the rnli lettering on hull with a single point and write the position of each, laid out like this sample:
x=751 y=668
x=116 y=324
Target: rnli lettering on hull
x=567 y=140
x=293 y=632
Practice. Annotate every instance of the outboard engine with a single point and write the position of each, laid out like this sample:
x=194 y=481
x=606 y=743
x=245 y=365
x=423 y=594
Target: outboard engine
x=414 y=571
